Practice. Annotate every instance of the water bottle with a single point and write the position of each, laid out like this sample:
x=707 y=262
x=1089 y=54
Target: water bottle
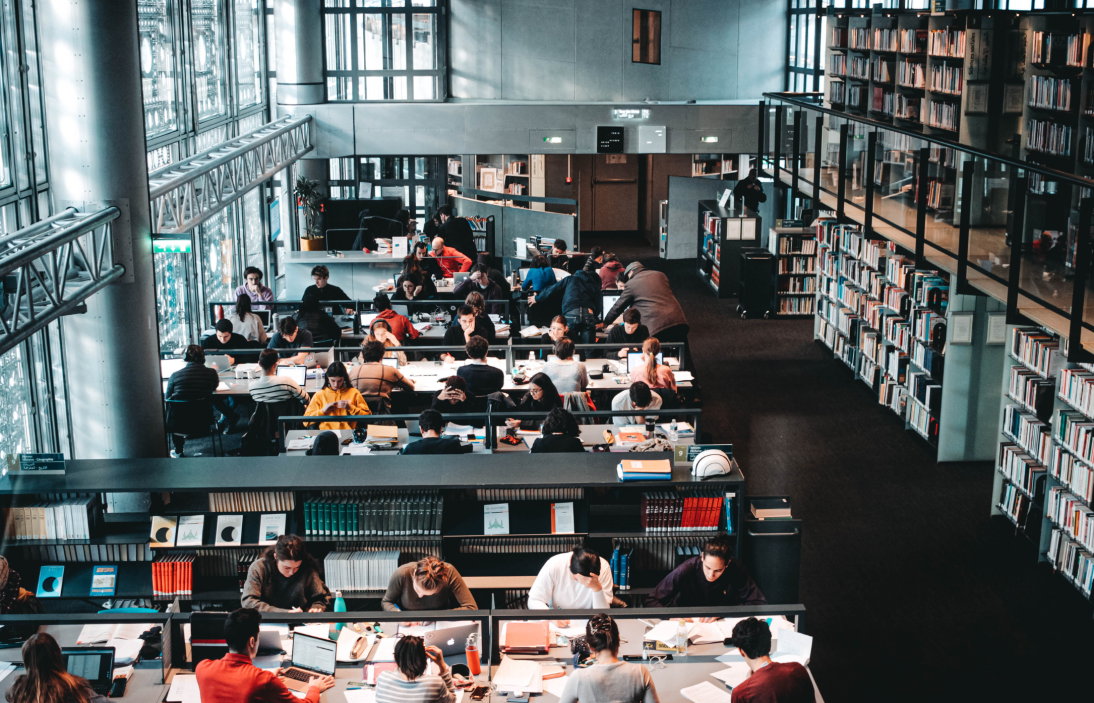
x=682 y=638
x=471 y=649
x=531 y=356
x=674 y=433
x=339 y=607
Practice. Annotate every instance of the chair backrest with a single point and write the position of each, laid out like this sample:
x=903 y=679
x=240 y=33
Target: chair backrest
x=192 y=418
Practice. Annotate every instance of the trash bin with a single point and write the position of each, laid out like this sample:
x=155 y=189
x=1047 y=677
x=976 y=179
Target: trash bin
x=757 y=296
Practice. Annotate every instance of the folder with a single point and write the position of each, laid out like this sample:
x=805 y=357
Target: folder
x=527 y=637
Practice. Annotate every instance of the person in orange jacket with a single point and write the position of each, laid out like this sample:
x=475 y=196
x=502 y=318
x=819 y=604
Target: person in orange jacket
x=453 y=260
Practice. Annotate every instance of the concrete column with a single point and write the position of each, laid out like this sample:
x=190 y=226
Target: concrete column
x=95 y=120
x=299 y=52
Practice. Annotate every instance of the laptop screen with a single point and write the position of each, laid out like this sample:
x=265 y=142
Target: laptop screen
x=263 y=315
x=313 y=653
x=95 y=665
x=296 y=373
x=634 y=360
x=609 y=301
x=170 y=366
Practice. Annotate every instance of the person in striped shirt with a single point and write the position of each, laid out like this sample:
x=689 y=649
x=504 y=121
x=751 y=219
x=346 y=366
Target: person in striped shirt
x=410 y=683
x=269 y=388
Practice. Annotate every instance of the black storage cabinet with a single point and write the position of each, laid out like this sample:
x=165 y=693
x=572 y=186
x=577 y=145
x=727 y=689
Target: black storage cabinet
x=757 y=298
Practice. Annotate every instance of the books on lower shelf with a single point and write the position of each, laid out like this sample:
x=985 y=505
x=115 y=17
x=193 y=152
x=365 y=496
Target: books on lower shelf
x=88 y=552
x=1072 y=473
x=519 y=545
x=1033 y=391
x=360 y=570
x=373 y=513
x=621 y=568
x=1070 y=559
x=173 y=575
x=507 y=494
x=252 y=502
x=1075 y=431
x=946 y=43
x=1049 y=93
x=1048 y=137
x=1028 y=431
x=1077 y=388
x=682 y=511
x=1022 y=469
x=70 y=518
x=1069 y=513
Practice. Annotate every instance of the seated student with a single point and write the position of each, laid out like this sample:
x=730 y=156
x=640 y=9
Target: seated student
x=479 y=282
x=632 y=331
x=271 y=388
x=558 y=258
x=46 y=680
x=245 y=323
x=461 y=333
x=427 y=584
x=769 y=682
x=196 y=381
x=561 y=434
x=540 y=274
x=484 y=326
x=413 y=286
x=285 y=579
x=380 y=331
x=289 y=335
x=318 y=321
x=596 y=256
x=431 y=423
x=575 y=580
x=326 y=443
x=234 y=677
x=557 y=331
x=428 y=265
x=337 y=397
x=453 y=397
x=450 y=260
x=411 y=682
x=485 y=259
x=650 y=372
x=610 y=679
x=482 y=378
x=609 y=272
x=637 y=398
x=253 y=288
x=541 y=397
x=567 y=373
x=400 y=324
x=226 y=338
x=322 y=289
x=376 y=380
x=711 y=579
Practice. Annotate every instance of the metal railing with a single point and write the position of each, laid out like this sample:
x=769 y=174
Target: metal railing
x=51 y=267
x=189 y=192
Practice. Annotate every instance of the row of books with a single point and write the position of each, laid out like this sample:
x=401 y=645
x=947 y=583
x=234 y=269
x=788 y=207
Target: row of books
x=252 y=502
x=913 y=41
x=1035 y=393
x=226 y=563
x=374 y=513
x=360 y=570
x=946 y=79
x=796 y=306
x=856 y=96
x=895 y=364
x=685 y=511
x=621 y=568
x=1076 y=432
x=87 y=552
x=940 y=194
x=911 y=74
x=883 y=101
x=797 y=264
x=1028 y=431
x=1070 y=559
x=906 y=108
x=838 y=38
x=927 y=359
x=173 y=575
x=899 y=332
x=73 y=518
x=1016 y=504
x=926 y=390
x=655 y=553
x=803 y=245
x=923 y=421
x=519 y=545
x=885 y=39
x=1072 y=515
x=1060 y=49
x=946 y=43
x=494 y=495
x=942 y=115
x=1036 y=349
x=881 y=70
x=930 y=328
x=1049 y=137
x=837 y=65
x=859 y=68
x=1072 y=473
x=797 y=284
x=1050 y=93
x=1088 y=145
x=858 y=38
x=190 y=530
x=1021 y=469
x=836 y=92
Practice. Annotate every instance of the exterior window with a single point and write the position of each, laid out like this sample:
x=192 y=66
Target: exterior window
x=248 y=52
x=210 y=64
x=157 y=49
x=646 y=37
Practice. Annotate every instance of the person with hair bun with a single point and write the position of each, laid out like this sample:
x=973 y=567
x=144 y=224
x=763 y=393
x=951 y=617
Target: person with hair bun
x=429 y=584
x=411 y=683
x=285 y=579
x=609 y=679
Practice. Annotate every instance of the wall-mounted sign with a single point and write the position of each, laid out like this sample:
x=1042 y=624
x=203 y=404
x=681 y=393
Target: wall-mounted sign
x=609 y=140
x=170 y=245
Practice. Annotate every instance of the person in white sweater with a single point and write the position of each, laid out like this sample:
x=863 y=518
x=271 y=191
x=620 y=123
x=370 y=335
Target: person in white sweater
x=580 y=579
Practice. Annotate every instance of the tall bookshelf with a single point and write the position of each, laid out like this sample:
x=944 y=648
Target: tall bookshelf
x=795 y=250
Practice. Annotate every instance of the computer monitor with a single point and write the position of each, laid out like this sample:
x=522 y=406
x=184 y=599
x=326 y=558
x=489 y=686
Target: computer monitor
x=609 y=301
x=393 y=363
x=170 y=366
x=296 y=373
x=634 y=360
x=367 y=318
x=96 y=664
x=263 y=315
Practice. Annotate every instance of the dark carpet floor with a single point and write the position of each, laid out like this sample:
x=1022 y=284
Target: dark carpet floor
x=912 y=591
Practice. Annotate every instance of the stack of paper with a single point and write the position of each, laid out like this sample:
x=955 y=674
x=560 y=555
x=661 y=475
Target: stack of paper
x=665 y=632
x=532 y=331
x=734 y=676
x=518 y=675
x=300 y=443
x=706 y=692
x=382 y=435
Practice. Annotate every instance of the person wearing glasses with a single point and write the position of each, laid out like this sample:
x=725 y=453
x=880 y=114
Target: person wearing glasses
x=609 y=679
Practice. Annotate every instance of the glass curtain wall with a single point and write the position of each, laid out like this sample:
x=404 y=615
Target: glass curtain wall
x=419 y=180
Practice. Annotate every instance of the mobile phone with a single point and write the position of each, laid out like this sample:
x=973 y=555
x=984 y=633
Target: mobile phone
x=346 y=441
x=479 y=693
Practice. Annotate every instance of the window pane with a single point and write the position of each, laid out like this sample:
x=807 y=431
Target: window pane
x=15 y=434
x=374 y=43
x=254 y=232
x=158 y=67
x=211 y=137
x=250 y=123
x=15 y=97
x=339 y=46
x=218 y=251
x=172 y=304
x=424 y=30
x=809 y=42
x=792 y=59
x=375 y=88
x=210 y=67
x=398 y=42
x=59 y=392
x=34 y=94
x=423 y=88
x=158 y=158
x=399 y=88
x=248 y=52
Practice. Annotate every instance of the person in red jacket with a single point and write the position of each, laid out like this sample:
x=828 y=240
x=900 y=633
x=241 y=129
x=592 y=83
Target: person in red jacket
x=235 y=679
x=769 y=682
x=453 y=260
x=400 y=325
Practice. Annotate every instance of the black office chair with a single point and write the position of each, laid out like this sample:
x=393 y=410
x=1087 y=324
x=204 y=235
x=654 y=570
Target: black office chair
x=194 y=419
x=266 y=420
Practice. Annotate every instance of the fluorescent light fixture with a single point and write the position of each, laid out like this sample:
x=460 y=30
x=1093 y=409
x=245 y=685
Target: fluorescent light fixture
x=553 y=140
x=630 y=114
x=171 y=246
x=708 y=140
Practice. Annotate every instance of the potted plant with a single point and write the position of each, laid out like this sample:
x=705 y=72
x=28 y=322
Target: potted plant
x=308 y=196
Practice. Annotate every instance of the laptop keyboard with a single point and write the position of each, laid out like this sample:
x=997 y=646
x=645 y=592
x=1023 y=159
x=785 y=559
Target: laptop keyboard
x=297 y=675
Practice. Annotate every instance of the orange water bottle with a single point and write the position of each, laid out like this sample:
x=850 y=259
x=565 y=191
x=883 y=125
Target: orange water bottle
x=472 y=652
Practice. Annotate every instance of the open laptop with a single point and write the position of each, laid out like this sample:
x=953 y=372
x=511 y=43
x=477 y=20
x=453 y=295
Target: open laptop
x=319 y=359
x=297 y=373
x=263 y=315
x=220 y=362
x=609 y=301
x=451 y=640
x=170 y=366
x=96 y=664
x=459 y=277
x=311 y=656
x=634 y=360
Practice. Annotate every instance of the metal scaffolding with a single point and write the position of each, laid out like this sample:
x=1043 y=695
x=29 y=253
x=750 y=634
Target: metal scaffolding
x=48 y=269
x=187 y=193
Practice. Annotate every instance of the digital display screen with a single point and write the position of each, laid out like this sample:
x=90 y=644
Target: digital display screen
x=609 y=140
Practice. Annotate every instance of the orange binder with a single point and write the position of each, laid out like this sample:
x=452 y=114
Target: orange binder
x=527 y=637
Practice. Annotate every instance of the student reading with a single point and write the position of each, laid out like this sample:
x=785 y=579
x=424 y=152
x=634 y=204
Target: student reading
x=411 y=683
x=428 y=584
x=711 y=579
x=580 y=579
x=46 y=680
x=610 y=679
x=769 y=682
x=285 y=579
x=234 y=677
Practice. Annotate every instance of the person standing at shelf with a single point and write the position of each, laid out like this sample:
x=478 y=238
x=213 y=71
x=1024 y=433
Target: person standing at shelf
x=410 y=683
x=708 y=580
x=751 y=191
x=289 y=335
x=337 y=397
x=769 y=682
x=234 y=677
x=577 y=580
x=610 y=679
x=46 y=680
x=457 y=232
x=285 y=579
x=449 y=258
x=561 y=434
x=650 y=372
x=632 y=331
x=431 y=423
x=428 y=584
x=482 y=378
x=637 y=398
x=253 y=288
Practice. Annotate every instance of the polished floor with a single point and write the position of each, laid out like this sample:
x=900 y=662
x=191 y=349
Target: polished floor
x=912 y=591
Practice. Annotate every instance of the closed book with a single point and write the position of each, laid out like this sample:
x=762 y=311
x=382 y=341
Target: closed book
x=527 y=637
x=646 y=466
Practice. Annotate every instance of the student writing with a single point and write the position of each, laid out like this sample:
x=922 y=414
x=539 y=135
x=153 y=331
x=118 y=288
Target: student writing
x=286 y=579
x=410 y=683
x=711 y=579
x=609 y=679
x=575 y=580
x=428 y=584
